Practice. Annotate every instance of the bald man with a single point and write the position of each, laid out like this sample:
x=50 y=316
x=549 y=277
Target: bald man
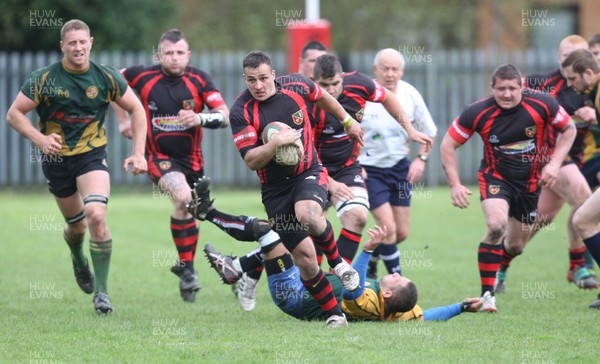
x=384 y=157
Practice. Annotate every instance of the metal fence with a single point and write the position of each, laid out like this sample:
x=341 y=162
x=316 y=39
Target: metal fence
x=448 y=80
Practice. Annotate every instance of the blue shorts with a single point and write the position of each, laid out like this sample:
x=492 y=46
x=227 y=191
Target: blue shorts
x=389 y=185
x=288 y=292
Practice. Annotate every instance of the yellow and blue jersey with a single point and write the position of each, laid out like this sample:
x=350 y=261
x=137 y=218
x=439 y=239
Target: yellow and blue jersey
x=369 y=306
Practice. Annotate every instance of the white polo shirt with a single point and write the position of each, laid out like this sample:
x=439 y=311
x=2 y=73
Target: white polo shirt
x=386 y=142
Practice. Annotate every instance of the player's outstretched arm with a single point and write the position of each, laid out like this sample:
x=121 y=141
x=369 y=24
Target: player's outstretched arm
x=444 y=313
x=351 y=126
x=395 y=109
x=362 y=261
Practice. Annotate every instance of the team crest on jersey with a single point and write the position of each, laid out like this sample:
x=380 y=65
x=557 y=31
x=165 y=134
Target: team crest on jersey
x=165 y=165
x=530 y=131
x=359 y=115
x=298 y=117
x=494 y=189
x=189 y=104
x=91 y=92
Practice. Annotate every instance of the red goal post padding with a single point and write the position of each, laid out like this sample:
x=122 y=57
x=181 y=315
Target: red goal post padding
x=301 y=33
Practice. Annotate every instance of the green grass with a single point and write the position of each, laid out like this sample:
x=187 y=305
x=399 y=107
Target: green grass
x=47 y=319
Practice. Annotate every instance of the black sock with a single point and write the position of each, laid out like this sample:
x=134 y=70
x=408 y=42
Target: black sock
x=251 y=261
x=255 y=273
x=279 y=264
x=241 y=228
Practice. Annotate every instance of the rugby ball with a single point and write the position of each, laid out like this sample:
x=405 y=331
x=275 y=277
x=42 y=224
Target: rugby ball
x=287 y=155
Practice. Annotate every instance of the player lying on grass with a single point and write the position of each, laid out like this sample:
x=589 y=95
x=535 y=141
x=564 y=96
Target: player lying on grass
x=393 y=298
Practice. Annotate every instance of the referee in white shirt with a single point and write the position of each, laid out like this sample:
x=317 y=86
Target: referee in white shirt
x=384 y=157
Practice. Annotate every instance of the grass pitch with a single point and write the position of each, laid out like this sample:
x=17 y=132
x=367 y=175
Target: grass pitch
x=47 y=319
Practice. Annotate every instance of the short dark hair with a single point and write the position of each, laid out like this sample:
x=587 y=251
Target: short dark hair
x=256 y=58
x=581 y=60
x=172 y=35
x=506 y=72
x=403 y=299
x=327 y=66
x=73 y=24
x=594 y=39
x=312 y=45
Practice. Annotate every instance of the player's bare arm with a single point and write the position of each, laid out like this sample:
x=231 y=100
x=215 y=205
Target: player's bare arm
x=123 y=120
x=261 y=156
x=218 y=117
x=417 y=166
x=130 y=103
x=17 y=119
x=331 y=105
x=564 y=141
x=458 y=193
x=394 y=108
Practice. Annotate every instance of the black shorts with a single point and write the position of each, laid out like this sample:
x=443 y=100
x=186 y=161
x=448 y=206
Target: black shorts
x=522 y=204
x=590 y=171
x=61 y=172
x=351 y=176
x=279 y=201
x=158 y=166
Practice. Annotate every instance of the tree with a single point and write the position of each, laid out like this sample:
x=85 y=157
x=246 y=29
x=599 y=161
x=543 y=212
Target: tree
x=129 y=25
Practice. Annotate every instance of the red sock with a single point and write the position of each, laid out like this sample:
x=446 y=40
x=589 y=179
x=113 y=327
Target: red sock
x=347 y=244
x=576 y=258
x=185 y=236
x=319 y=254
x=489 y=258
x=321 y=290
x=326 y=241
x=506 y=258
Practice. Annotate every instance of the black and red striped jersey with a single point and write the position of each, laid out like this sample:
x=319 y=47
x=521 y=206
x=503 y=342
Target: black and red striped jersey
x=514 y=139
x=289 y=105
x=334 y=147
x=163 y=97
x=556 y=85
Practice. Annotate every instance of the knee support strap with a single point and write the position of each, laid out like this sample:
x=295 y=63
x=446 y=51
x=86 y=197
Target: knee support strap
x=75 y=219
x=95 y=198
x=361 y=199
